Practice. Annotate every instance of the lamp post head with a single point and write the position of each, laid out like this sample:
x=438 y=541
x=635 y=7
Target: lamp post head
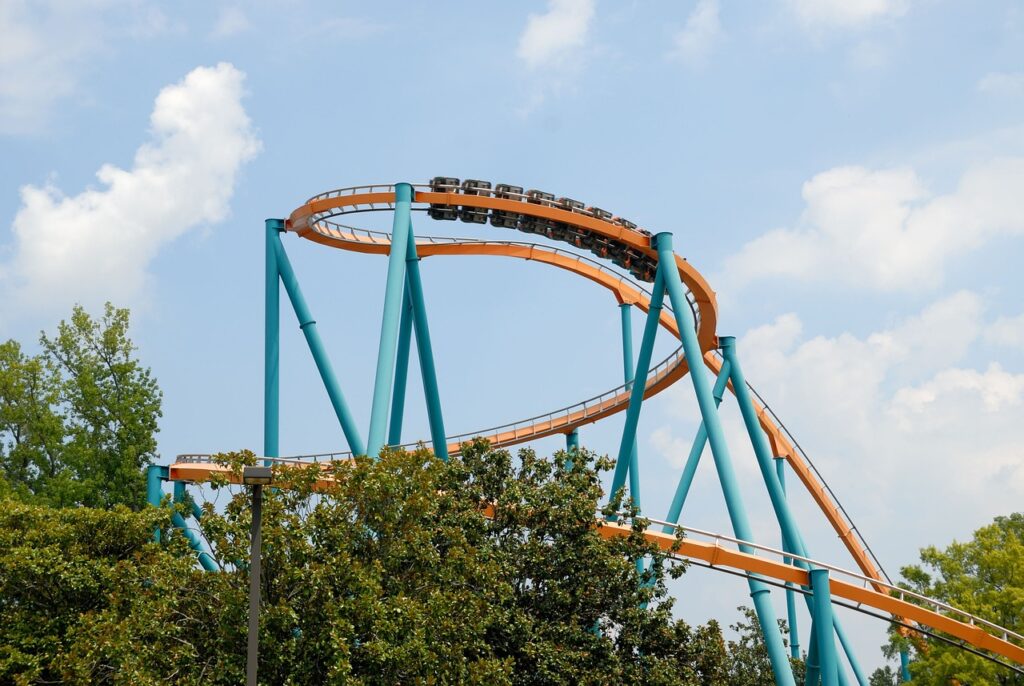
x=253 y=475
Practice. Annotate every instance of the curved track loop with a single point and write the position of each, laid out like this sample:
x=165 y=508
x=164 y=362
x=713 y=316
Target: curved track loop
x=313 y=221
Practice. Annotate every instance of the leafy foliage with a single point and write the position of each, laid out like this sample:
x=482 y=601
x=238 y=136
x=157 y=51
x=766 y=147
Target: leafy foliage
x=78 y=421
x=984 y=576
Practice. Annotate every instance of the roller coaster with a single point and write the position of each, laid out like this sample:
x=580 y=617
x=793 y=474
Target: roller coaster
x=675 y=297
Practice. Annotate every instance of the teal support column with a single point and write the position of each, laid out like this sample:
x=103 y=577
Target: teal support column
x=424 y=350
x=693 y=459
x=271 y=340
x=155 y=476
x=851 y=656
x=812 y=674
x=636 y=396
x=401 y=372
x=393 y=288
x=627 y=375
x=794 y=634
x=316 y=347
x=793 y=541
x=904 y=666
x=572 y=440
x=205 y=560
x=668 y=274
x=827 y=656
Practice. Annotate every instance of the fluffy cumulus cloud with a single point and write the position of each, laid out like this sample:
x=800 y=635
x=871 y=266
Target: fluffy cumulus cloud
x=845 y=14
x=884 y=230
x=918 y=433
x=97 y=244
x=693 y=43
x=47 y=44
x=1007 y=331
x=551 y=36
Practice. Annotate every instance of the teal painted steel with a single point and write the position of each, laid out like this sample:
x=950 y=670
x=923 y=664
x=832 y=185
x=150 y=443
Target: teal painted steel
x=828 y=659
x=271 y=341
x=401 y=372
x=812 y=675
x=669 y=276
x=794 y=634
x=205 y=559
x=393 y=287
x=155 y=475
x=636 y=396
x=692 y=460
x=424 y=350
x=851 y=656
x=572 y=440
x=792 y=540
x=904 y=666
x=627 y=375
x=316 y=347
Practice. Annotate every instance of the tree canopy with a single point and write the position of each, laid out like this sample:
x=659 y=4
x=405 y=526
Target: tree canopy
x=78 y=421
x=983 y=576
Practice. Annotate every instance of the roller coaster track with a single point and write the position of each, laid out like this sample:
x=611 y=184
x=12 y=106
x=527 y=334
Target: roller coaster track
x=630 y=247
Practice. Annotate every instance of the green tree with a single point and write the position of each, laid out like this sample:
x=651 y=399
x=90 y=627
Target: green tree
x=488 y=569
x=78 y=421
x=984 y=576
x=747 y=656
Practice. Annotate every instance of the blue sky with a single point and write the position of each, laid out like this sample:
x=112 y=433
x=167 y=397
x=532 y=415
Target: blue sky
x=848 y=175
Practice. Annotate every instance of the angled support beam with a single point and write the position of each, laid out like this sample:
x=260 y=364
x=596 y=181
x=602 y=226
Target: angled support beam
x=636 y=396
x=627 y=375
x=206 y=561
x=155 y=477
x=692 y=460
x=271 y=340
x=762 y=451
x=316 y=347
x=669 y=276
x=401 y=372
x=794 y=634
x=424 y=350
x=393 y=287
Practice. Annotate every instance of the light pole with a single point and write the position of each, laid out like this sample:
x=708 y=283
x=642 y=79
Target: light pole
x=257 y=477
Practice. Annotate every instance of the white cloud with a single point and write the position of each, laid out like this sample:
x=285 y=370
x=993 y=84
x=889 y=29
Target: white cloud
x=696 y=40
x=912 y=432
x=48 y=44
x=557 y=33
x=1002 y=83
x=231 y=22
x=1008 y=331
x=845 y=14
x=98 y=244
x=883 y=230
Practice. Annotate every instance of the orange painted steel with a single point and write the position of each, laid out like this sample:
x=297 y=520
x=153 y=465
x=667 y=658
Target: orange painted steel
x=299 y=222
x=715 y=555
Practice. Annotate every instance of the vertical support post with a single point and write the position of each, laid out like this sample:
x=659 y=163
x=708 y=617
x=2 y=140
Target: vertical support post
x=424 y=350
x=393 y=288
x=904 y=666
x=401 y=372
x=255 y=562
x=827 y=657
x=271 y=340
x=627 y=375
x=794 y=635
x=154 y=490
x=316 y=347
x=669 y=275
x=572 y=443
x=636 y=396
x=812 y=675
x=690 y=469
